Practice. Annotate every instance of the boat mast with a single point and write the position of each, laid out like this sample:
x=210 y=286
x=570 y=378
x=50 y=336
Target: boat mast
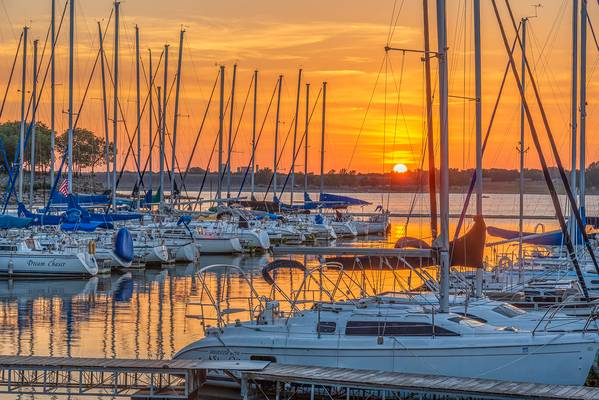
x=444 y=158
x=52 y=90
x=33 y=123
x=574 y=107
x=253 y=172
x=522 y=152
x=137 y=108
x=105 y=108
x=230 y=139
x=478 y=284
x=160 y=145
x=150 y=120
x=297 y=101
x=176 y=117
x=583 y=106
x=221 y=111
x=71 y=72
x=163 y=127
x=274 y=184
x=22 y=131
x=324 y=109
x=307 y=123
x=115 y=115
x=432 y=184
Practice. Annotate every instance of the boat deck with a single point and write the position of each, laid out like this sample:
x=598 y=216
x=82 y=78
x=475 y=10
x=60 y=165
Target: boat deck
x=348 y=380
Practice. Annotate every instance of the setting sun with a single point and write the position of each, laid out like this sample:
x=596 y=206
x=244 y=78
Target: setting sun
x=400 y=168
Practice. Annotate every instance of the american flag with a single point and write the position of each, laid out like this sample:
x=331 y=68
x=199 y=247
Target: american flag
x=64 y=187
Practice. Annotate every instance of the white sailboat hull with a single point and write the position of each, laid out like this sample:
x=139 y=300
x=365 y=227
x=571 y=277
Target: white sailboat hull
x=564 y=359
x=31 y=264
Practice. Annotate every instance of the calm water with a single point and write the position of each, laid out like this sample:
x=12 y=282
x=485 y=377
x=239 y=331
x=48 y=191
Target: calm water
x=147 y=316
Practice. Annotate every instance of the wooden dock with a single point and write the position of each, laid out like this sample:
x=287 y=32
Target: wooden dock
x=351 y=251
x=349 y=383
x=100 y=377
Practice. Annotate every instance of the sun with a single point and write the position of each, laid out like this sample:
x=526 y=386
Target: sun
x=400 y=168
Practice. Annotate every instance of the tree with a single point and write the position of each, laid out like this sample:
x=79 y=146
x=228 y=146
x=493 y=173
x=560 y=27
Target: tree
x=9 y=133
x=88 y=149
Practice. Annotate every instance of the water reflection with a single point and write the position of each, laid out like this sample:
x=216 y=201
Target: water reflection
x=140 y=314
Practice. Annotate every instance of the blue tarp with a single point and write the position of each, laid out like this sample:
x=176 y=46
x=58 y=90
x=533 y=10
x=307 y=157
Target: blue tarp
x=59 y=198
x=337 y=200
x=8 y=222
x=554 y=238
x=86 y=226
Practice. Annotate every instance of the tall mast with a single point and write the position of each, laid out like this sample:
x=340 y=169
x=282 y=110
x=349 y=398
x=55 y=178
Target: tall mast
x=574 y=106
x=176 y=117
x=163 y=127
x=71 y=72
x=274 y=180
x=138 y=104
x=306 y=138
x=444 y=157
x=253 y=171
x=324 y=109
x=22 y=131
x=115 y=115
x=583 y=105
x=219 y=187
x=432 y=185
x=522 y=151
x=478 y=287
x=230 y=140
x=33 y=123
x=297 y=101
x=105 y=107
x=150 y=120
x=160 y=146
x=52 y=90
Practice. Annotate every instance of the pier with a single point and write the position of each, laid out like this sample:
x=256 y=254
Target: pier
x=187 y=380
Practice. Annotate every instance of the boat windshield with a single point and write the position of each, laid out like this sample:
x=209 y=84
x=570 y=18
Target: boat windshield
x=508 y=310
x=460 y=319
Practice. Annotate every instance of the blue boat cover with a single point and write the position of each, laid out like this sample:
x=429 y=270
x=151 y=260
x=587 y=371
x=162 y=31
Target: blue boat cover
x=39 y=219
x=85 y=226
x=123 y=245
x=554 y=238
x=337 y=200
x=8 y=222
x=59 y=198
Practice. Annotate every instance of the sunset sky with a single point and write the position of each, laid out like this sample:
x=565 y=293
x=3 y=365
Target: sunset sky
x=338 y=41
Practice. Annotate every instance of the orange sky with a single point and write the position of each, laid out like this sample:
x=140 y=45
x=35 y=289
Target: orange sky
x=338 y=41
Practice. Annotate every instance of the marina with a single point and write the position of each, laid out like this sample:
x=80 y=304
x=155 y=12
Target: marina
x=216 y=213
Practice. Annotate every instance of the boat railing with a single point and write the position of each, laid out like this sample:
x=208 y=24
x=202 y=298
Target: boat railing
x=556 y=313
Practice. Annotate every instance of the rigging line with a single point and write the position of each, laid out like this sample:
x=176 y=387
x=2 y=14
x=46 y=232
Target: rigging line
x=592 y=31
x=392 y=32
x=391 y=22
x=299 y=147
x=12 y=70
x=43 y=83
x=10 y=24
x=197 y=139
x=255 y=145
x=280 y=156
x=397 y=108
x=247 y=96
x=366 y=114
x=549 y=181
x=129 y=137
x=487 y=135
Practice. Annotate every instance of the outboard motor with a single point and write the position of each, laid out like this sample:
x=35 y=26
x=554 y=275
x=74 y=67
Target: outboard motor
x=123 y=245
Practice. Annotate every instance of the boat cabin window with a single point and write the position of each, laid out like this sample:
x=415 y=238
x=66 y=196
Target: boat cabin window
x=508 y=310
x=8 y=247
x=472 y=316
x=263 y=358
x=395 y=328
x=326 y=327
x=466 y=321
x=595 y=282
